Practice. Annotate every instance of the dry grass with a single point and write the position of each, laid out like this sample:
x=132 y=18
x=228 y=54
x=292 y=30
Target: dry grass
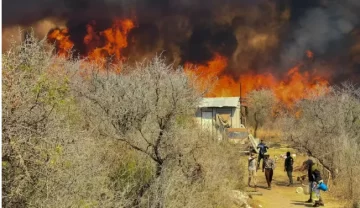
x=110 y=140
x=269 y=135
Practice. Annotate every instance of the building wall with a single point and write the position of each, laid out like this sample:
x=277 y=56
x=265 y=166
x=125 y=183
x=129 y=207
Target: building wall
x=236 y=118
x=203 y=116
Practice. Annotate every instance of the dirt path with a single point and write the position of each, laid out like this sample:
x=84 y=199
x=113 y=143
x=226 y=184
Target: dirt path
x=282 y=196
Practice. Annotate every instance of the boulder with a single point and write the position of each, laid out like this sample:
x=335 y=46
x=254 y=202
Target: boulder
x=240 y=199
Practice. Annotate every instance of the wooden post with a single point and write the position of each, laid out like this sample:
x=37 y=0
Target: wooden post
x=240 y=113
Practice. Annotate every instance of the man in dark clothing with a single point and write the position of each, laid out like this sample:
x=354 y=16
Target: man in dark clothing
x=268 y=167
x=262 y=150
x=289 y=162
x=307 y=166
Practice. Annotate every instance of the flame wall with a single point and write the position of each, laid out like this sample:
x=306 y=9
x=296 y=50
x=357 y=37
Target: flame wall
x=282 y=44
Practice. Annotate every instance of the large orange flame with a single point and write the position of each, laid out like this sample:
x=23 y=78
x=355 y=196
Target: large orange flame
x=115 y=40
x=294 y=86
x=62 y=40
x=101 y=45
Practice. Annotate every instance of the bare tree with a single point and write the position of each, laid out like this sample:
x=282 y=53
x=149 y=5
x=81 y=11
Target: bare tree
x=30 y=99
x=261 y=104
x=141 y=107
x=47 y=154
x=77 y=136
x=327 y=126
x=150 y=108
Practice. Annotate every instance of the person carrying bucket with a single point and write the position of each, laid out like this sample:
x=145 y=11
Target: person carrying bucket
x=318 y=185
x=307 y=166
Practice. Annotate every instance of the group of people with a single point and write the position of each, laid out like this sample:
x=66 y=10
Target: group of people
x=268 y=166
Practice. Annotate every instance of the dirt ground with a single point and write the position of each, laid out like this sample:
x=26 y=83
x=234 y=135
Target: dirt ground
x=282 y=196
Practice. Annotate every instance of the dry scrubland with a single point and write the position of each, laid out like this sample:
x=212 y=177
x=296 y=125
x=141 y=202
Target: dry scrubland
x=325 y=125
x=77 y=136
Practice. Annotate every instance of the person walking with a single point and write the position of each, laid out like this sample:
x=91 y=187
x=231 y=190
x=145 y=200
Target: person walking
x=315 y=171
x=268 y=167
x=307 y=166
x=289 y=162
x=252 y=167
x=262 y=150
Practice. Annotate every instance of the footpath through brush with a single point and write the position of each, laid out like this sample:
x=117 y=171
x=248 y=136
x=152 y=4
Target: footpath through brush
x=282 y=196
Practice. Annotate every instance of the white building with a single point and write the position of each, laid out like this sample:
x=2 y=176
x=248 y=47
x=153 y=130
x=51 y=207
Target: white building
x=215 y=114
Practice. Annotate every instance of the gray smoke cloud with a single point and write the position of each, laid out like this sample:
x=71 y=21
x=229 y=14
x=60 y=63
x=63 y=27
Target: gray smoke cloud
x=187 y=30
x=25 y=12
x=20 y=12
x=320 y=27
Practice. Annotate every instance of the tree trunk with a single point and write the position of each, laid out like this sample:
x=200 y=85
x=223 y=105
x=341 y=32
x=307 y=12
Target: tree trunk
x=256 y=125
x=158 y=169
x=146 y=186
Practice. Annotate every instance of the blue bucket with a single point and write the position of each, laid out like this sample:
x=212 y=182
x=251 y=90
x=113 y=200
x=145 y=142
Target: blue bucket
x=322 y=187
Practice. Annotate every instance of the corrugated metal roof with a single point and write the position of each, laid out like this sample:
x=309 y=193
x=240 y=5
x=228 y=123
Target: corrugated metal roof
x=219 y=102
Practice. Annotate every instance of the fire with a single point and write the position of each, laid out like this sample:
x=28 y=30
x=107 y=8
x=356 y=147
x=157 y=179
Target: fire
x=62 y=40
x=297 y=85
x=106 y=47
x=115 y=40
x=291 y=88
x=309 y=54
x=100 y=45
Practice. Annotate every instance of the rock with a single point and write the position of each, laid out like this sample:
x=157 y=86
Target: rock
x=241 y=199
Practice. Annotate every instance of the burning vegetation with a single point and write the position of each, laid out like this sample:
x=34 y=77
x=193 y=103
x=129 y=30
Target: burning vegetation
x=99 y=45
x=122 y=141
x=292 y=87
x=108 y=46
x=257 y=44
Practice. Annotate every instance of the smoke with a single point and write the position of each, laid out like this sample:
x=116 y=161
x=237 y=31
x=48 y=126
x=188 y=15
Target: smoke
x=41 y=28
x=22 y=12
x=254 y=35
x=322 y=30
x=187 y=30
